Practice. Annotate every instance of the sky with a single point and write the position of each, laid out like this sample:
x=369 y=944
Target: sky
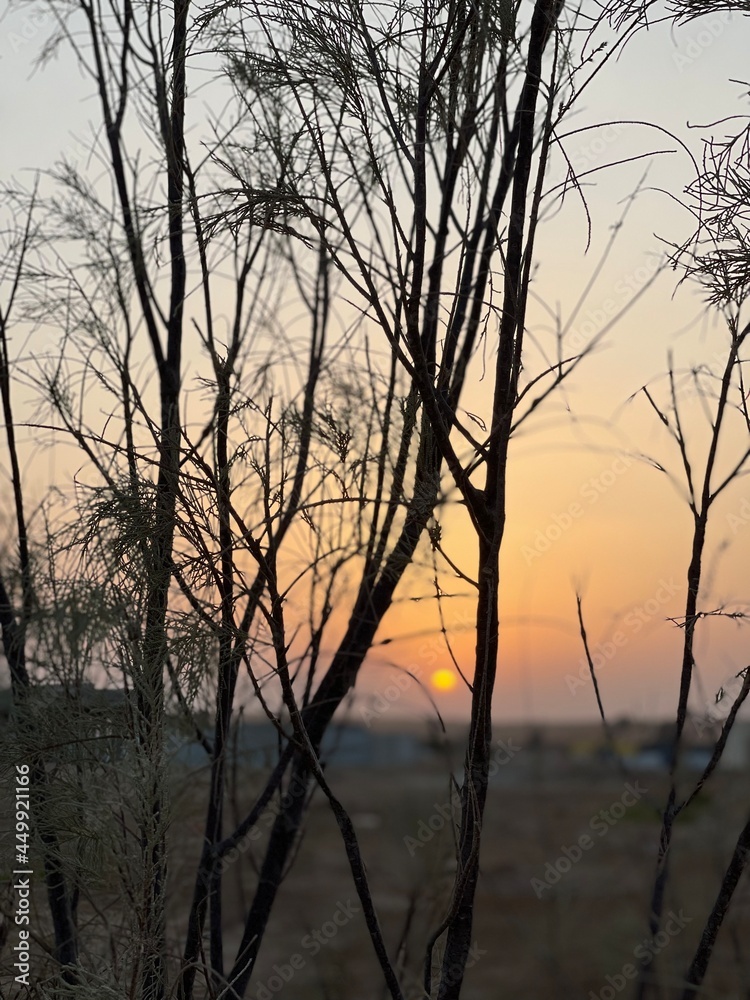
x=588 y=510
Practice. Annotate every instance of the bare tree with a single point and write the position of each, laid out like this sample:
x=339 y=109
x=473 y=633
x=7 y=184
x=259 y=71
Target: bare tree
x=184 y=568
x=392 y=158
x=717 y=258
x=14 y=624
x=401 y=110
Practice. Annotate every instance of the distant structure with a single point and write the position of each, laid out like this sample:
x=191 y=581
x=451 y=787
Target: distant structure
x=344 y=745
x=697 y=749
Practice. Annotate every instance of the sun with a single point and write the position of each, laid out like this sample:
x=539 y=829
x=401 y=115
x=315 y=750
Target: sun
x=443 y=680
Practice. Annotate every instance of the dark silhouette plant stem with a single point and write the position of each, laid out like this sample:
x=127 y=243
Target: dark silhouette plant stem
x=60 y=895
x=700 y=501
x=699 y=965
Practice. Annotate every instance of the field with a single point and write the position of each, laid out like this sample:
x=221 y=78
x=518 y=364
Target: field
x=568 y=855
x=567 y=858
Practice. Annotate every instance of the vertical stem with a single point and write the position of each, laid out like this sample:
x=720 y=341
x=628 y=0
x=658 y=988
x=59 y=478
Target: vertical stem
x=698 y=967
x=490 y=517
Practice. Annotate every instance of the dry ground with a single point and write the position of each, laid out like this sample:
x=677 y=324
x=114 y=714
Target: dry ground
x=535 y=939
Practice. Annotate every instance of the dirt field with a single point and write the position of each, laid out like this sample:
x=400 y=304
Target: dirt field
x=567 y=858
x=568 y=855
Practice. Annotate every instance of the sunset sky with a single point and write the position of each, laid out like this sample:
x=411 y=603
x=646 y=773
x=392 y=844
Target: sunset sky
x=627 y=545
x=588 y=509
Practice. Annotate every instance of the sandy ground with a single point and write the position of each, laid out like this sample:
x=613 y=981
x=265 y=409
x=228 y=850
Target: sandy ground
x=568 y=854
x=567 y=860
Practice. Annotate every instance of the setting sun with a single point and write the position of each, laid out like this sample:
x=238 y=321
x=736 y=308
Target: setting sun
x=443 y=680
